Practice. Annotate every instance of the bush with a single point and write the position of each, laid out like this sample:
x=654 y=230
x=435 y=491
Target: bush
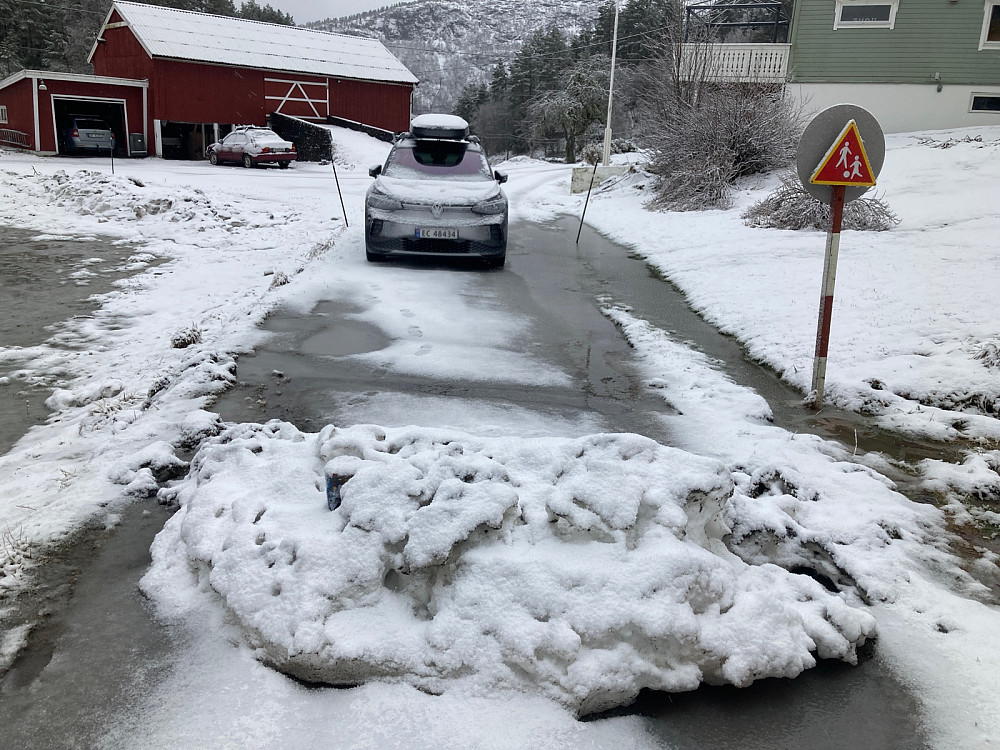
x=622 y=146
x=594 y=152
x=789 y=206
x=733 y=131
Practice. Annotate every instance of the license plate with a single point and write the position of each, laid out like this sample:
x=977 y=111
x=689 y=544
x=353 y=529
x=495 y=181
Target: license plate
x=94 y=135
x=437 y=233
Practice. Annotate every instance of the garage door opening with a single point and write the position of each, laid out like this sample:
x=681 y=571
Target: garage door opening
x=186 y=140
x=110 y=111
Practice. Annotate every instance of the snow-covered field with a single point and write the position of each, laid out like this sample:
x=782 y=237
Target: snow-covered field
x=557 y=574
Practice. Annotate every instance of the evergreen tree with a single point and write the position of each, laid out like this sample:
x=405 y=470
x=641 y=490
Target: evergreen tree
x=254 y=12
x=474 y=96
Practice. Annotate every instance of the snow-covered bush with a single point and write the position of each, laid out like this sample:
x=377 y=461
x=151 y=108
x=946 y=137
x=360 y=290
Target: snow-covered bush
x=592 y=153
x=989 y=354
x=15 y=552
x=279 y=278
x=790 y=206
x=186 y=337
x=622 y=146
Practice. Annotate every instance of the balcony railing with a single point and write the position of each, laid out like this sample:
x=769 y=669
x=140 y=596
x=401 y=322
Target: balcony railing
x=758 y=63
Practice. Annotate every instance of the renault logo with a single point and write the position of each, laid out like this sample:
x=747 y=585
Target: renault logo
x=437 y=209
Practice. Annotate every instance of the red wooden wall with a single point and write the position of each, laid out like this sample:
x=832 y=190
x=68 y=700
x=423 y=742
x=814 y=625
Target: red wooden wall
x=383 y=105
x=20 y=108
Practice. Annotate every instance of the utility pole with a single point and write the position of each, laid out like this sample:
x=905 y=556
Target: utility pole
x=611 y=91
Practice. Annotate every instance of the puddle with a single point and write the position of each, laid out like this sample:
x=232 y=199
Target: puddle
x=95 y=648
x=829 y=707
x=42 y=284
x=338 y=335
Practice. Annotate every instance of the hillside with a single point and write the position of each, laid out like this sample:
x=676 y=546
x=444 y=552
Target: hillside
x=450 y=44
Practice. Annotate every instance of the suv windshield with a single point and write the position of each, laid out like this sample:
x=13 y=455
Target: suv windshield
x=450 y=159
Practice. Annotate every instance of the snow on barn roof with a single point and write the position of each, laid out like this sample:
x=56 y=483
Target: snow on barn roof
x=187 y=35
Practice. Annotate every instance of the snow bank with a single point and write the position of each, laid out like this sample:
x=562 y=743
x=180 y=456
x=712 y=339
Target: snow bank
x=586 y=569
x=914 y=335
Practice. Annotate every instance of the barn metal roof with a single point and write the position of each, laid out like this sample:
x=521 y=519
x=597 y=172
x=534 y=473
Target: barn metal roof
x=187 y=35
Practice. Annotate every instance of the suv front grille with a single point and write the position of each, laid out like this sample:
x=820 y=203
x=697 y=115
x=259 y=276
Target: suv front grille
x=436 y=246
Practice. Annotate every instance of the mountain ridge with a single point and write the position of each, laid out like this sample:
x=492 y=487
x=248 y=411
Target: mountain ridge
x=449 y=44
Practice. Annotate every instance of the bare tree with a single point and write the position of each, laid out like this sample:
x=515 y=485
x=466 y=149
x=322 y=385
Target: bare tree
x=571 y=109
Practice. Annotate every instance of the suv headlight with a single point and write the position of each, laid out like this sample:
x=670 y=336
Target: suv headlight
x=495 y=205
x=383 y=201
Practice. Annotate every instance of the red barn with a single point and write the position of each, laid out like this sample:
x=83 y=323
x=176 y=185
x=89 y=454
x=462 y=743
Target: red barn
x=181 y=79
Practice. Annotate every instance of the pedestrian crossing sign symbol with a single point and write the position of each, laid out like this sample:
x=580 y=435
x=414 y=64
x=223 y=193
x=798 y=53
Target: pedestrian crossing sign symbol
x=846 y=163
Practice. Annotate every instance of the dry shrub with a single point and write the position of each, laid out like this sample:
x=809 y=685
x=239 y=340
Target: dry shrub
x=789 y=206
x=989 y=354
x=734 y=131
x=186 y=337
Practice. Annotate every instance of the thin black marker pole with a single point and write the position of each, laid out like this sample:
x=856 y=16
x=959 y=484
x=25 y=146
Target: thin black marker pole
x=589 y=188
x=337 y=179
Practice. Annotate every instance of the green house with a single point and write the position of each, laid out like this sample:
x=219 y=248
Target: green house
x=915 y=64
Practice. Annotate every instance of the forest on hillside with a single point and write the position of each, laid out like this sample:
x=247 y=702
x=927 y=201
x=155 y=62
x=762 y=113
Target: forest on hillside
x=58 y=35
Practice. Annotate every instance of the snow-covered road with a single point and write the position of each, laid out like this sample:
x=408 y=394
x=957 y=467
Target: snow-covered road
x=240 y=242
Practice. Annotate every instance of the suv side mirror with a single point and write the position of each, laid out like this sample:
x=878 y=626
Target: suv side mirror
x=500 y=177
x=375 y=171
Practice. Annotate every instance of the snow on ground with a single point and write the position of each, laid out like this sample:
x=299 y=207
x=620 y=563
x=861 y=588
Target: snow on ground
x=914 y=341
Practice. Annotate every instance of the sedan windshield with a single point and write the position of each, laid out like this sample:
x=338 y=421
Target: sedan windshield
x=431 y=159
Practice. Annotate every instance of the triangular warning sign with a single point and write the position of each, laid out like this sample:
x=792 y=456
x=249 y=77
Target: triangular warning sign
x=846 y=163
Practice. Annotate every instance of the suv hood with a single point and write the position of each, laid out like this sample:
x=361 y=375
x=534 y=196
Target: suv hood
x=430 y=191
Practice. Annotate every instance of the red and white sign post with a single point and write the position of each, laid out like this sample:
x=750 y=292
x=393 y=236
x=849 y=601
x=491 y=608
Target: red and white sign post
x=845 y=163
x=826 y=295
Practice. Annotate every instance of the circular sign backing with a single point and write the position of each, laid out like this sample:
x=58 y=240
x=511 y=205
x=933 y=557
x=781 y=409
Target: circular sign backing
x=820 y=135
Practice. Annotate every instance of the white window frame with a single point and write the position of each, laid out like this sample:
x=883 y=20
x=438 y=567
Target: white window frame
x=841 y=4
x=987 y=13
x=989 y=94
x=3 y=114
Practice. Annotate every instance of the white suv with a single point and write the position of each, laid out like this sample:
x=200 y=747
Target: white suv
x=436 y=195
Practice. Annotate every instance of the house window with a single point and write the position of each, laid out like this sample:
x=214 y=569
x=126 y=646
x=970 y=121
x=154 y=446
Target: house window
x=3 y=114
x=990 y=38
x=985 y=103
x=864 y=14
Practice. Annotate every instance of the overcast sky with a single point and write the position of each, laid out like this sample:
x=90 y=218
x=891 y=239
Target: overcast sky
x=304 y=11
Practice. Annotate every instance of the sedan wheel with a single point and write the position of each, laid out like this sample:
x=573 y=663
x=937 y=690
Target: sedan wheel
x=247 y=161
x=213 y=157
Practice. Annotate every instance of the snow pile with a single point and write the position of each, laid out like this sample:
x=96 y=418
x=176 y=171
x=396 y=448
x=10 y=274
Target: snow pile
x=129 y=199
x=584 y=568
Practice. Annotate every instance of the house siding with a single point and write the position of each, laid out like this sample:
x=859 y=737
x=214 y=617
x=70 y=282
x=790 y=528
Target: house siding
x=20 y=108
x=930 y=37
